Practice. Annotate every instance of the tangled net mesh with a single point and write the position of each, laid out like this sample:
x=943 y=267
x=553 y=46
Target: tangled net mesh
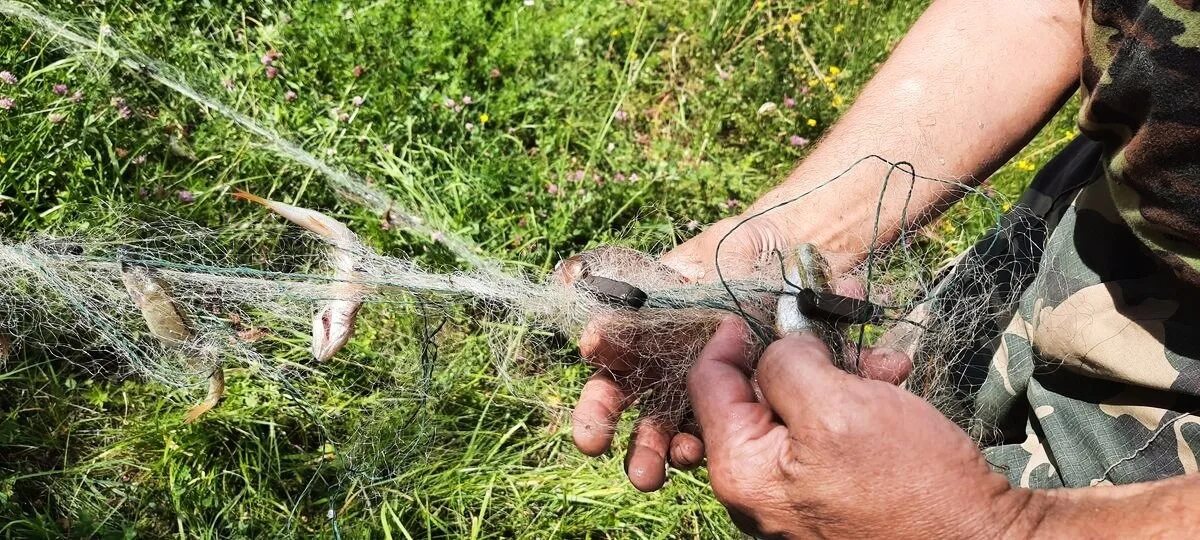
x=65 y=295
x=68 y=294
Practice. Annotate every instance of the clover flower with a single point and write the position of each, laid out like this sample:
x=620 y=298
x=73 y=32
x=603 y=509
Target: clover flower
x=7 y=103
x=61 y=89
x=269 y=58
x=186 y=197
x=797 y=141
x=7 y=77
x=290 y=96
x=358 y=101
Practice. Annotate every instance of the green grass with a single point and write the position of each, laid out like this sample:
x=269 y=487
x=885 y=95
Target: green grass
x=92 y=453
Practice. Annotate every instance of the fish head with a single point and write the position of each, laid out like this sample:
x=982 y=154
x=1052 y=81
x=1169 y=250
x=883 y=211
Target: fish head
x=333 y=326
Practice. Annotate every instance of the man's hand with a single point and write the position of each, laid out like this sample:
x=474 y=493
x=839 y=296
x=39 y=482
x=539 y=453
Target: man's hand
x=622 y=374
x=813 y=451
x=953 y=100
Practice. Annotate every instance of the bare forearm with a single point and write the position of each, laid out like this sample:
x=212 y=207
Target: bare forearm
x=971 y=83
x=1165 y=508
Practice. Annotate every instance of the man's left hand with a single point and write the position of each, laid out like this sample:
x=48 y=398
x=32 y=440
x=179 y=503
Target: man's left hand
x=815 y=451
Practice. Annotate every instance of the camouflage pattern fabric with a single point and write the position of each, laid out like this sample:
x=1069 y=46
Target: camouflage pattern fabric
x=1096 y=378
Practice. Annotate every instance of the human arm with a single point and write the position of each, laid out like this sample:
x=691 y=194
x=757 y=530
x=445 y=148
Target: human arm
x=959 y=95
x=819 y=452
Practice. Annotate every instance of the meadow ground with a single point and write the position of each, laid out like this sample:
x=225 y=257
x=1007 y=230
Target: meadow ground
x=572 y=124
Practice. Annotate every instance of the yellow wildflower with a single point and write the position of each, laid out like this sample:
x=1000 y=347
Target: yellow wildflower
x=1006 y=206
x=483 y=118
x=615 y=33
x=838 y=100
x=835 y=71
x=813 y=82
x=1025 y=165
x=794 y=18
x=811 y=122
x=839 y=28
x=3 y=160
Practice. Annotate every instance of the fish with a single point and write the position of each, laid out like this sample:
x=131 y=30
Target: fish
x=333 y=324
x=804 y=268
x=152 y=296
x=166 y=323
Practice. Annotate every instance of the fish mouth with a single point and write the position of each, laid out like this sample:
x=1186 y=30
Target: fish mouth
x=330 y=333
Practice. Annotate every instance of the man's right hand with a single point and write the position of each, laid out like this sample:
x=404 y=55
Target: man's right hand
x=952 y=100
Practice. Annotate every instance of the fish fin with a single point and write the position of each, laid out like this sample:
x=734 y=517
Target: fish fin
x=247 y=196
x=216 y=389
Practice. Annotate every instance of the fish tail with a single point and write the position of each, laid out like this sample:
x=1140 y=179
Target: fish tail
x=216 y=389
x=247 y=196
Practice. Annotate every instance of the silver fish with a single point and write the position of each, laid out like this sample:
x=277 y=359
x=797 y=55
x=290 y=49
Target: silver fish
x=333 y=324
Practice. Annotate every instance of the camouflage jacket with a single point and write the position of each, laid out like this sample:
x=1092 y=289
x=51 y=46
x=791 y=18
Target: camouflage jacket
x=1096 y=378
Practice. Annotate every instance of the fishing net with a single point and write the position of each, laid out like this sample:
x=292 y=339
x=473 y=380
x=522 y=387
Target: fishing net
x=245 y=303
x=74 y=293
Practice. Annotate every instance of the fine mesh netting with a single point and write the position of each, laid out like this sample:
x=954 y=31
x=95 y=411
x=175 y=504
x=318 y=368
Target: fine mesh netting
x=79 y=293
x=89 y=293
x=171 y=302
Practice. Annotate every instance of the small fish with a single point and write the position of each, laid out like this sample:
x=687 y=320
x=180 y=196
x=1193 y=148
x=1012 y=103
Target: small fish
x=333 y=325
x=152 y=296
x=804 y=268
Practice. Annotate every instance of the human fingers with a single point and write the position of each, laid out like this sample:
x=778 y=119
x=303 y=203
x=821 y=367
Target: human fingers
x=720 y=390
x=883 y=364
x=796 y=374
x=601 y=345
x=646 y=461
x=687 y=448
x=595 y=416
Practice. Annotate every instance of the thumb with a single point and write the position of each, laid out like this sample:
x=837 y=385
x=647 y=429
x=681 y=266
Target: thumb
x=796 y=374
